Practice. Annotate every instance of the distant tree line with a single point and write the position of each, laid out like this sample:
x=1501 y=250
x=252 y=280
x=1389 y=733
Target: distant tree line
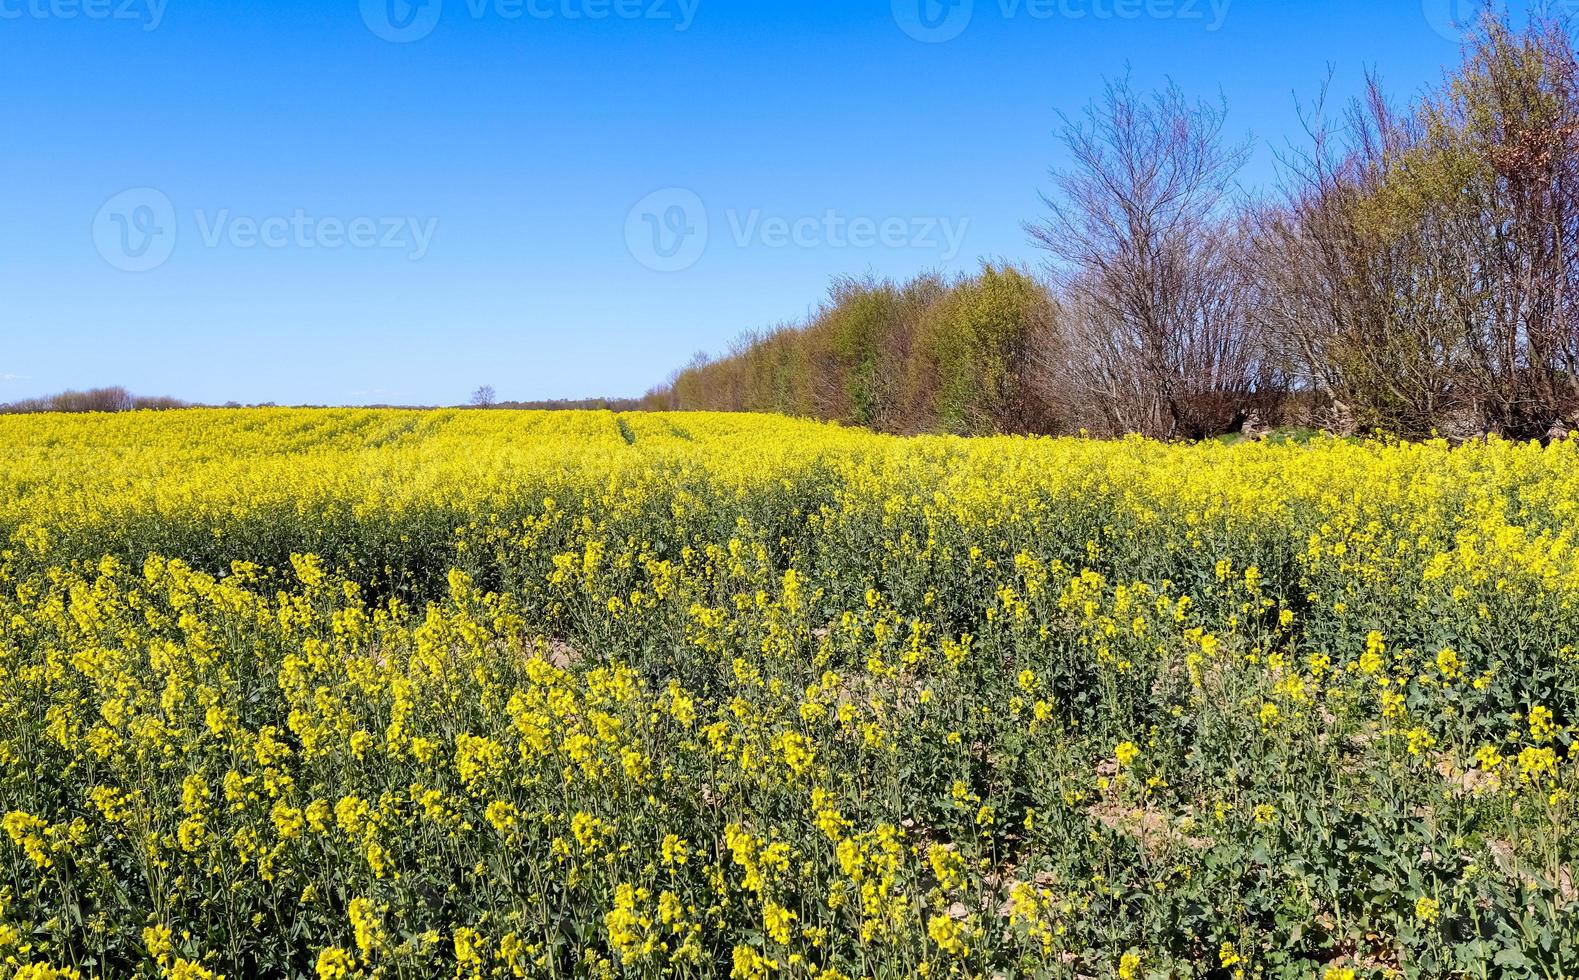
x=92 y=400
x=1417 y=271
x=119 y=399
x=566 y=405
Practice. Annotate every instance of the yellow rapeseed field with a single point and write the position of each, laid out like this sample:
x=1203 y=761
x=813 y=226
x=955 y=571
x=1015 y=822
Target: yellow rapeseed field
x=354 y=694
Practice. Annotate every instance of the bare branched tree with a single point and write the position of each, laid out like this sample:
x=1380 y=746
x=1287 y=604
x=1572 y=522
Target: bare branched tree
x=1147 y=258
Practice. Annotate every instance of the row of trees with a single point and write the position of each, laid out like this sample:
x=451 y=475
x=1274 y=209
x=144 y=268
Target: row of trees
x=92 y=400
x=1416 y=271
x=926 y=355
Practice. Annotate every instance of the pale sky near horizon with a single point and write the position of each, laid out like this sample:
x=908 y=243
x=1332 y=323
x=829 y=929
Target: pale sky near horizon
x=344 y=202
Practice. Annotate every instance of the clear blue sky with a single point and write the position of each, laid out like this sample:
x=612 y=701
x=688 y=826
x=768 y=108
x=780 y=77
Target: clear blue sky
x=337 y=217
